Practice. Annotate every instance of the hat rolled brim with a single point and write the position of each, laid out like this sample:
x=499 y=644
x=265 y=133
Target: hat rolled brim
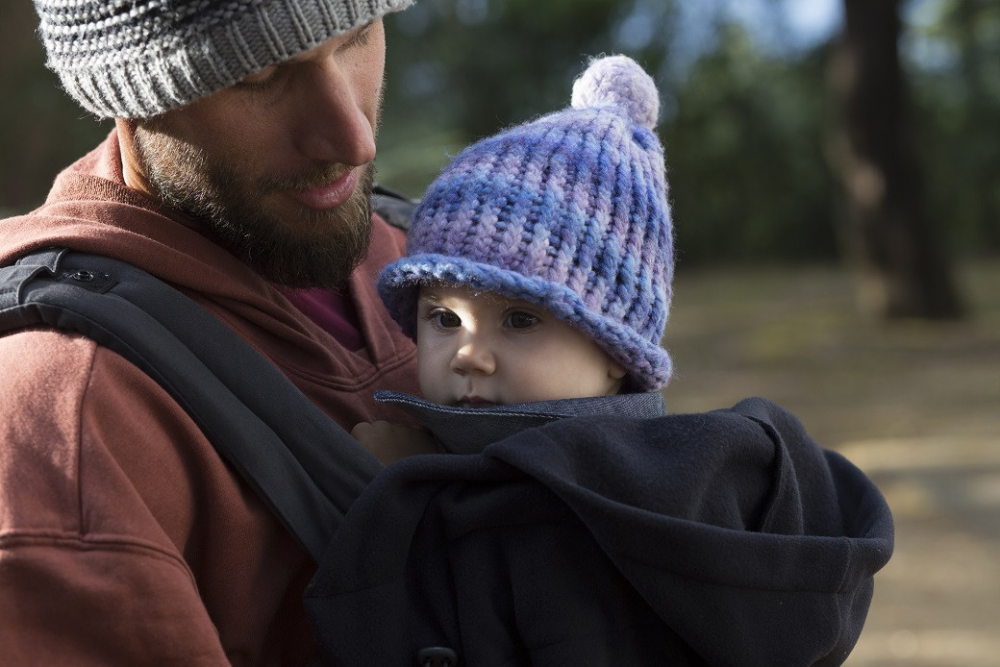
x=649 y=366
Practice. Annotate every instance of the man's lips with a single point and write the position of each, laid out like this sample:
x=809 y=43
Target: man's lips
x=330 y=195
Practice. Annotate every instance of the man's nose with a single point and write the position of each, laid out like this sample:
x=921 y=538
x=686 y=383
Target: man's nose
x=334 y=125
x=474 y=355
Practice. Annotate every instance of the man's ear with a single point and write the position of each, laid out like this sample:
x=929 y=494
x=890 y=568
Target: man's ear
x=132 y=171
x=616 y=371
x=126 y=143
x=126 y=129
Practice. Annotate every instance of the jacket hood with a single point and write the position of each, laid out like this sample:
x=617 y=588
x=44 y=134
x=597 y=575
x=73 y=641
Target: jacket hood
x=736 y=512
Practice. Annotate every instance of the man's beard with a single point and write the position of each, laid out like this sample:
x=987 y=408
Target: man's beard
x=321 y=249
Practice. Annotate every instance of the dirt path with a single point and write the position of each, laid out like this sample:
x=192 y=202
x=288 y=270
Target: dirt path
x=916 y=405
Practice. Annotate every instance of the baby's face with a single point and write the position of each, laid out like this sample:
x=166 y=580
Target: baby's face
x=478 y=348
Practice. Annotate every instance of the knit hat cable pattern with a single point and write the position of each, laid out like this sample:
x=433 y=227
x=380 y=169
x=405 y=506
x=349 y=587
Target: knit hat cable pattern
x=140 y=58
x=568 y=211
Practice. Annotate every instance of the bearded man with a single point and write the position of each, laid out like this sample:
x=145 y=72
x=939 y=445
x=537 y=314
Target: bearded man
x=239 y=171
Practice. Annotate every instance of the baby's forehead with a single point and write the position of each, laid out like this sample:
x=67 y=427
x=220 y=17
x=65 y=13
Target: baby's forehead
x=441 y=293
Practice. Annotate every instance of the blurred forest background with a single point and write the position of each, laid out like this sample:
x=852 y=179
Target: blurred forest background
x=797 y=131
x=834 y=168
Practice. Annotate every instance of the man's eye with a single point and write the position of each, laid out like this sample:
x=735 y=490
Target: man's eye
x=258 y=79
x=361 y=37
x=521 y=320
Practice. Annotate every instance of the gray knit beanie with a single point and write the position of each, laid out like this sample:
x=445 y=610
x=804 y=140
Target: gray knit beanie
x=140 y=58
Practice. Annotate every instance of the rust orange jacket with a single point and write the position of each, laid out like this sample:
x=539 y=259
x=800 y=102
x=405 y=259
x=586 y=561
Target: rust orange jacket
x=124 y=538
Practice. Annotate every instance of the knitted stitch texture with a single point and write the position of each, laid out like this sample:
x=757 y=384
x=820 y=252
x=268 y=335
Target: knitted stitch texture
x=140 y=58
x=568 y=211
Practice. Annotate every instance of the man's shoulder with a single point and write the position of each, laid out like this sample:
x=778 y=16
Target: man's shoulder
x=35 y=359
x=52 y=378
x=393 y=206
x=48 y=376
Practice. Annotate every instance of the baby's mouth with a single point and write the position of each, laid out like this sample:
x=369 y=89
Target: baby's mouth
x=474 y=402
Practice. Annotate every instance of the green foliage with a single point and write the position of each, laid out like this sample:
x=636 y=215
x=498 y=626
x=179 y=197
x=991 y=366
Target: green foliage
x=480 y=64
x=747 y=172
x=41 y=130
x=954 y=67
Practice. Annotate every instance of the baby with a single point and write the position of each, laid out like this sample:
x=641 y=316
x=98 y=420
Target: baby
x=540 y=262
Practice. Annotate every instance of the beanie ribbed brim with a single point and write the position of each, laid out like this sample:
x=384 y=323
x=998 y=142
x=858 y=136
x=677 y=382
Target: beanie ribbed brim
x=649 y=365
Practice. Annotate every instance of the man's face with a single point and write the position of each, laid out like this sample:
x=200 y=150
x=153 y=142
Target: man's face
x=279 y=166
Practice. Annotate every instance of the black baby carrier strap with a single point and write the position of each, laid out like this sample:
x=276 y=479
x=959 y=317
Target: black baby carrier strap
x=305 y=466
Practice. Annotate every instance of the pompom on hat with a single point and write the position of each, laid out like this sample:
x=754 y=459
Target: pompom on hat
x=141 y=58
x=568 y=211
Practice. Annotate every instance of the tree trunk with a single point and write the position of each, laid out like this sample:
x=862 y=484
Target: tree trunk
x=901 y=263
x=983 y=168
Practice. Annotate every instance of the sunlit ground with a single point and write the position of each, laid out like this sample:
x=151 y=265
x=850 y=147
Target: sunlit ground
x=916 y=405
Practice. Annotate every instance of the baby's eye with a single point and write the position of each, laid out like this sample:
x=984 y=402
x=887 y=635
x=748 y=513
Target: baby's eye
x=446 y=319
x=520 y=320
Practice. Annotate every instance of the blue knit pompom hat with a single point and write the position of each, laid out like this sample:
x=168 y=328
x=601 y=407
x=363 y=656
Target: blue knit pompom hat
x=568 y=211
